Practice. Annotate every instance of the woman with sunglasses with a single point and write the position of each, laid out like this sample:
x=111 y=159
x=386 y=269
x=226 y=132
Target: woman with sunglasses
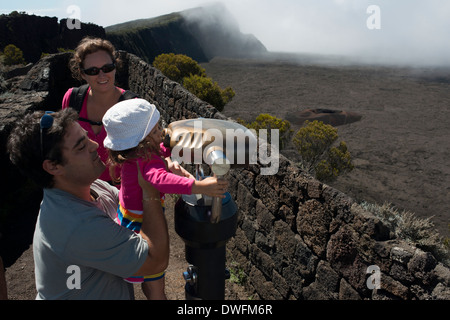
x=94 y=62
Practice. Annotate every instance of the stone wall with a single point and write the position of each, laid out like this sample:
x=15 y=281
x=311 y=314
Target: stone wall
x=298 y=238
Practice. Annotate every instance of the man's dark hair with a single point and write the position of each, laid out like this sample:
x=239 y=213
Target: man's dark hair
x=24 y=144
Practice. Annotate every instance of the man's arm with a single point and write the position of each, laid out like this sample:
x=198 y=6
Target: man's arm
x=153 y=230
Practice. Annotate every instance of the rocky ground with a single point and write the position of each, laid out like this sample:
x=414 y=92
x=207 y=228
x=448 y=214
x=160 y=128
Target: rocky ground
x=400 y=147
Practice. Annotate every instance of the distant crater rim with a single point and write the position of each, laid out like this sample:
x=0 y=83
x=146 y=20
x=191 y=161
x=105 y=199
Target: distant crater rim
x=327 y=116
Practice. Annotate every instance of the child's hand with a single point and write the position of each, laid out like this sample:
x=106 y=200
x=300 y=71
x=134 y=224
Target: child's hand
x=211 y=186
x=177 y=169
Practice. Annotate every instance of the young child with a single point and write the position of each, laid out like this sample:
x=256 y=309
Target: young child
x=135 y=136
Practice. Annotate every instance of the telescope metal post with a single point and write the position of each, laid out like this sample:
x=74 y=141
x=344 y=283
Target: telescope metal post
x=206 y=224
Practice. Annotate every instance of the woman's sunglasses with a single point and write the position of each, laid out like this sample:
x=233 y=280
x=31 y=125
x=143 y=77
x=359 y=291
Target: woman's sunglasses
x=107 y=68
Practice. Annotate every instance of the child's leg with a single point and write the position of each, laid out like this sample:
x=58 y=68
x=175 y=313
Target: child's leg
x=154 y=290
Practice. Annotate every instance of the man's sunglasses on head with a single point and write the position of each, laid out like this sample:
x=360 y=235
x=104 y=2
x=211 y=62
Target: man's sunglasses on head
x=45 y=124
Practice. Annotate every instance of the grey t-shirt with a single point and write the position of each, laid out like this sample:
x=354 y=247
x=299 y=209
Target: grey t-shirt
x=80 y=252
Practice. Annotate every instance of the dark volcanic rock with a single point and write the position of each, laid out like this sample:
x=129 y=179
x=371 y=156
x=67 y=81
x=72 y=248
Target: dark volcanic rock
x=200 y=33
x=35 y=35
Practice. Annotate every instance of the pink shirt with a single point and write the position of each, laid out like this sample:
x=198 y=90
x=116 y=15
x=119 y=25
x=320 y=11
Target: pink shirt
x=155 y=172
x=102 y=152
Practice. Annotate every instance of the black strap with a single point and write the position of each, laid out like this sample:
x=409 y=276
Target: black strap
x=77 y=98
x=127 y=95
x=94 y=123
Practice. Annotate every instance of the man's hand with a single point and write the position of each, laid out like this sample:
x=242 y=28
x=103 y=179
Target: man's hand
x=148 y=191
x=153 y=230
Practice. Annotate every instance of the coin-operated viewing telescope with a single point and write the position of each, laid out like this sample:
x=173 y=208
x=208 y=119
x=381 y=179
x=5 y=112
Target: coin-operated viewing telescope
x=205 y=224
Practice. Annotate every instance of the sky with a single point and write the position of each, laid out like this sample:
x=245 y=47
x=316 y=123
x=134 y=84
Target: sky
x=382 y=31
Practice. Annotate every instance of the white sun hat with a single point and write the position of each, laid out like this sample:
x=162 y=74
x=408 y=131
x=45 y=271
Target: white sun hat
x=128 y=122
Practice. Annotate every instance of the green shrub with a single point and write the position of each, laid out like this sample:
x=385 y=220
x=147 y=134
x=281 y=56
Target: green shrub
x=192 y=76
x=338 y=160
x=237 y=274
x=406 y=226
x=62 y=50
x=208 y=90
x=178 y=66
x=314 y=143
x=12 y=55
x=266 y=121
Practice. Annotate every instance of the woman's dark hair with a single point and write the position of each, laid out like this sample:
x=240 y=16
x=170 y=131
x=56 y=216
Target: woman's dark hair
x=24 y=144
x=87 y=46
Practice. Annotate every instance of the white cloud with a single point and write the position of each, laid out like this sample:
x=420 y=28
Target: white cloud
x=411 y=30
